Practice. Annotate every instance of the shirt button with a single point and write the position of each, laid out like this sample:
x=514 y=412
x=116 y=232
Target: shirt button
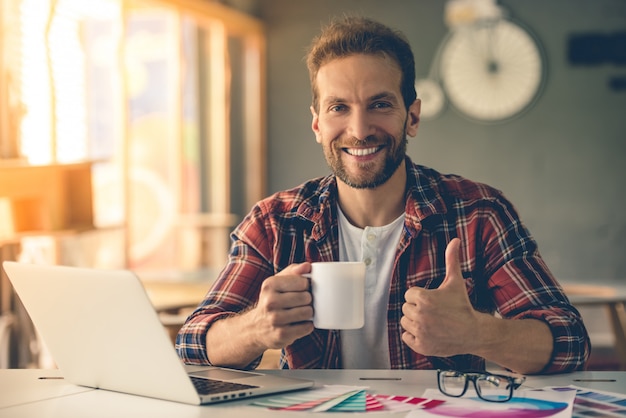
x=371 y=237
x=367 y=261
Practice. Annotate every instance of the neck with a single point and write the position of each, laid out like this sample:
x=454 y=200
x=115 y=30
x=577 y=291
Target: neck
x=374 y=207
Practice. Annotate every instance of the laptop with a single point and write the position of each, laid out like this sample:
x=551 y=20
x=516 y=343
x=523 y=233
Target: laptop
x=103 y=332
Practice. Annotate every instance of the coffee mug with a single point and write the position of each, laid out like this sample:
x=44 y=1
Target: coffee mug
x=338 y=289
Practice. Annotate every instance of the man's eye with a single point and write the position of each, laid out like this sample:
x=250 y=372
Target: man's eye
x=381 y=105
x=337 y=108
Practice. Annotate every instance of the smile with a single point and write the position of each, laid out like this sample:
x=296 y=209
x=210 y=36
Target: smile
x=359 y=152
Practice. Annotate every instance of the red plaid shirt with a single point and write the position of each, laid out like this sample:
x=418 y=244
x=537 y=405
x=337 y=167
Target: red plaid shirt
x=502 y=267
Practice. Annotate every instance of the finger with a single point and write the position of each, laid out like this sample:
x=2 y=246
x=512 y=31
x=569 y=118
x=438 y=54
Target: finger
x=287 y=300
x=285 y=335
x=290 y=279
x=295 y=269
x=453 y=263
x=408 y=310
x=408 y=338
x=293 y=315
x=285 y=283
x=414 y=295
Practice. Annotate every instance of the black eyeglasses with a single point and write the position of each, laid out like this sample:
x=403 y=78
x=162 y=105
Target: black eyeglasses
x=489 y=387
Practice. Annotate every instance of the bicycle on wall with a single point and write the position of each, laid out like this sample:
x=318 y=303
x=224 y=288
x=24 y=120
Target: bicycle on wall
x=489 y=67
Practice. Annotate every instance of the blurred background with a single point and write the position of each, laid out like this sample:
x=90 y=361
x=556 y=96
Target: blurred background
x=136 y=134
x=559 y=161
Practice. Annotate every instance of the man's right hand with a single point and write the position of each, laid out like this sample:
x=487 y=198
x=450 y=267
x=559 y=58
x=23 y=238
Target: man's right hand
x=283 y=313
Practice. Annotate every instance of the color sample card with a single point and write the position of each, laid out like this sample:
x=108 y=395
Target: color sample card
x=524 y=404
x=593 y=403
x=316 y=399
x=553 y=402
x=397 y=403
x=338 y=398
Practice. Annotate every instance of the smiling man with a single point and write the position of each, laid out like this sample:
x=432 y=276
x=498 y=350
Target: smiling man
x=453 y=279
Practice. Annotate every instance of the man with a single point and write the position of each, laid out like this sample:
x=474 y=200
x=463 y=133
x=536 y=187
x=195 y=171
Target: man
x=453 y=277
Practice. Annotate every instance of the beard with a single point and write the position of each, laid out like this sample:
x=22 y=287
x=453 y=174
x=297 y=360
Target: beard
x=370 y=177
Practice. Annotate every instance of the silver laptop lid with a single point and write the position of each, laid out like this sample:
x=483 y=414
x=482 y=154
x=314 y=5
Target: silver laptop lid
x=102 y=330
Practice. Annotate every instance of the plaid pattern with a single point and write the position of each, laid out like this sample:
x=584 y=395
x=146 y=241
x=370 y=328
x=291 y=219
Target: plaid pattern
x=503 y=269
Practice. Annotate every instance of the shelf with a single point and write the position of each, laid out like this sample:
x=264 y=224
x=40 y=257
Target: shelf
x=43 y=198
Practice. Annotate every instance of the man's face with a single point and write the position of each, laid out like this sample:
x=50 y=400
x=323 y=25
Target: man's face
x=362 y=122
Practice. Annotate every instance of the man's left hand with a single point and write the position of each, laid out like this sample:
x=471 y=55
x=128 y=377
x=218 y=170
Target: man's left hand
x=441 y=322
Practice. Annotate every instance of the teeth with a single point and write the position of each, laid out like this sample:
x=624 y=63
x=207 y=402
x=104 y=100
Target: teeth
x=361 y=151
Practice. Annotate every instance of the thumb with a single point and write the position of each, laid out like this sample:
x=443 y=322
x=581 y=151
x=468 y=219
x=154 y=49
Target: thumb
x=453 y=264
x=299 y=268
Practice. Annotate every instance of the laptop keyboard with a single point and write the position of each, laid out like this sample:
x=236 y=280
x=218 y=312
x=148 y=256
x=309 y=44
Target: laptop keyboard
x=208 y=386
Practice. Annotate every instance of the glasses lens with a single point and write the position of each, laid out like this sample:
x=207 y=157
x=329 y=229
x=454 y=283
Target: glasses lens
x=493 y=388
x=452 y=383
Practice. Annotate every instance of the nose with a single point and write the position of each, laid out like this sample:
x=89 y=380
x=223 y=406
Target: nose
x=359 y=125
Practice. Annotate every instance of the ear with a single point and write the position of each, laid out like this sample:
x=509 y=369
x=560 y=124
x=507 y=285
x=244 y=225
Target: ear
x=413 y=118
x=315 y=125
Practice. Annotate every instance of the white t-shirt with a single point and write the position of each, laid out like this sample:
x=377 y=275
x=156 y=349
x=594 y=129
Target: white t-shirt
x=368 y=347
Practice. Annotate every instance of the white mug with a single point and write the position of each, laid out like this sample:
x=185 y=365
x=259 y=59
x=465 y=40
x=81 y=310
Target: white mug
x=338 y=289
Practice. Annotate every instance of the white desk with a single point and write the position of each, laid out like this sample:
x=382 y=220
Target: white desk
x=24 y=394
x=613 y=299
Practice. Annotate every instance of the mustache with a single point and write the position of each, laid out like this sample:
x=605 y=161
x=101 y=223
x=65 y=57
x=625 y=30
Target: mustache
x=355 y=142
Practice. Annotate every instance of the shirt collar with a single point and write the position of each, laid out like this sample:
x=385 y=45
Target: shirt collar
x=423 y=200
x=423 y=194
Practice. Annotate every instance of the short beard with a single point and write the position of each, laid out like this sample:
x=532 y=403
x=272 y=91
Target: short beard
x=392 y=162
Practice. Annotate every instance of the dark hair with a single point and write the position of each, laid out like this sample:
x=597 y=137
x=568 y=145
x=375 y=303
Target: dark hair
x=359 y=35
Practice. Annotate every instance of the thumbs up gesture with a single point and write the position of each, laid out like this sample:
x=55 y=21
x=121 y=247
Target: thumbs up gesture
x=441 y=322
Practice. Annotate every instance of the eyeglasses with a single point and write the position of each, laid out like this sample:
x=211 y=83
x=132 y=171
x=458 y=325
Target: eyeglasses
x=489 y=387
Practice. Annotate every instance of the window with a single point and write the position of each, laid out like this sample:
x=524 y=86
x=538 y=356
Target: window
x=166 y=98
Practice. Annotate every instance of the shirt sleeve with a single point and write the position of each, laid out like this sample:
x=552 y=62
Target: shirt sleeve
x=236 y=289
x=523 y=287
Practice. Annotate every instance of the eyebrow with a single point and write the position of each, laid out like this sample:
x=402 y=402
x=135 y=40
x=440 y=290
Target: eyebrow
x=382 y=95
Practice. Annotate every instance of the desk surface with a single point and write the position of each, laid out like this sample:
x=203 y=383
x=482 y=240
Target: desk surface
x=173 y=290
x=24 y=394
x=595 y=294
x=171 y=296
